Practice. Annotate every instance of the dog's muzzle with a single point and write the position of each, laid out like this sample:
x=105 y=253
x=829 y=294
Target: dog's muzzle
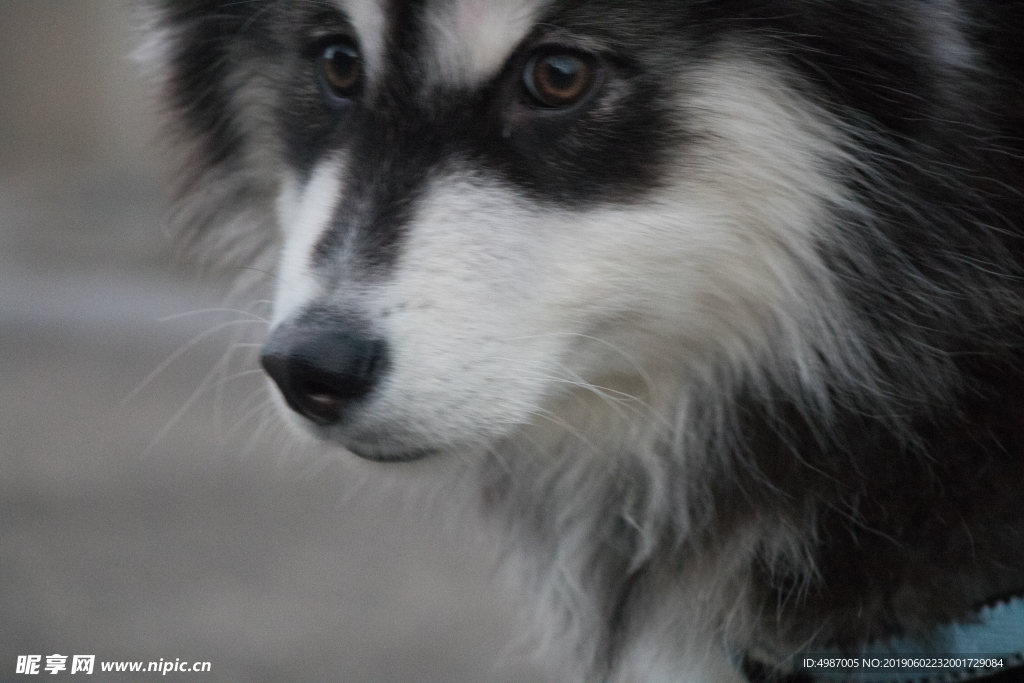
x=323 y=370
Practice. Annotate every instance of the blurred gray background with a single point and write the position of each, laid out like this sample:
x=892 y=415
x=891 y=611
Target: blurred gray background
x=158 y=516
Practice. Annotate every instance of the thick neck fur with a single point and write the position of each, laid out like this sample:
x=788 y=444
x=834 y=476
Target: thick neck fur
x=804 y=534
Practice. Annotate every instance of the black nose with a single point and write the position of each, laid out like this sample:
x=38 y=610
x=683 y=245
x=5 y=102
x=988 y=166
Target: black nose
x=322 y=370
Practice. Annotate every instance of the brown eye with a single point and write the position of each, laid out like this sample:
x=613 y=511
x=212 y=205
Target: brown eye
x=342 y=69
x=559 y=80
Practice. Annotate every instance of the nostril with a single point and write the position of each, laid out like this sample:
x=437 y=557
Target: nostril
x=319 y=403
x=322 y=373
x=322 y=393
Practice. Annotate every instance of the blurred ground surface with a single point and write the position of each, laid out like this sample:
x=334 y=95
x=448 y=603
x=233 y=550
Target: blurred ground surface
x=167 y=523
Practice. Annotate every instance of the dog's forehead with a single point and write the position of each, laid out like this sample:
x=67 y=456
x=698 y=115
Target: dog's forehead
x=369 y=20
x=459 y=42
x=467 y=41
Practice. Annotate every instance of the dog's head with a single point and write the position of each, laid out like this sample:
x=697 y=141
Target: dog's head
x=488 y=207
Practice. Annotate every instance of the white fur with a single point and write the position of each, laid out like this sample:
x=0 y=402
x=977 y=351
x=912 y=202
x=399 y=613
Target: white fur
x=370 y=23
x=154 y=41
x=468 y=41
x=949 y=44
x=304 y=214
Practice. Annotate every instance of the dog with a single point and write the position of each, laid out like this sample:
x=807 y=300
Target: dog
x=721 y=304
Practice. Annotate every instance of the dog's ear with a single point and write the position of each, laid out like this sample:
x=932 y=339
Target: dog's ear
x=216 y=64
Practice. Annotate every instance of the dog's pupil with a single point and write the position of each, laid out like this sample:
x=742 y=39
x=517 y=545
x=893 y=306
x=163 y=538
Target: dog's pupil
x=341 y=64
x=562 y=75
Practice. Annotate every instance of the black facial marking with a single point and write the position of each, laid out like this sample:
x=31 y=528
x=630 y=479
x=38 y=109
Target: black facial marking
x=605 y=145
x=311 y=119
x=612 y=146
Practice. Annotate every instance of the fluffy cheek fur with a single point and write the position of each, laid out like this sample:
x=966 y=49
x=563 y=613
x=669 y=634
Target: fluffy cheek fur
x=499 y=307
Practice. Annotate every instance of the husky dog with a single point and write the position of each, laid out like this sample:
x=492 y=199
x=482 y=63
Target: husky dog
x=721 y=302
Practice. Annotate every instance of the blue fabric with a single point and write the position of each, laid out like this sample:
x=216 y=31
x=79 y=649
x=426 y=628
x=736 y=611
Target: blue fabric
x=997 y=632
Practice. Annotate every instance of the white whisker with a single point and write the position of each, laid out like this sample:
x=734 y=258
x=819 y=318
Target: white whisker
x=641 y=372
x=241 y=422
x=207 y=311
x=184 y=348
